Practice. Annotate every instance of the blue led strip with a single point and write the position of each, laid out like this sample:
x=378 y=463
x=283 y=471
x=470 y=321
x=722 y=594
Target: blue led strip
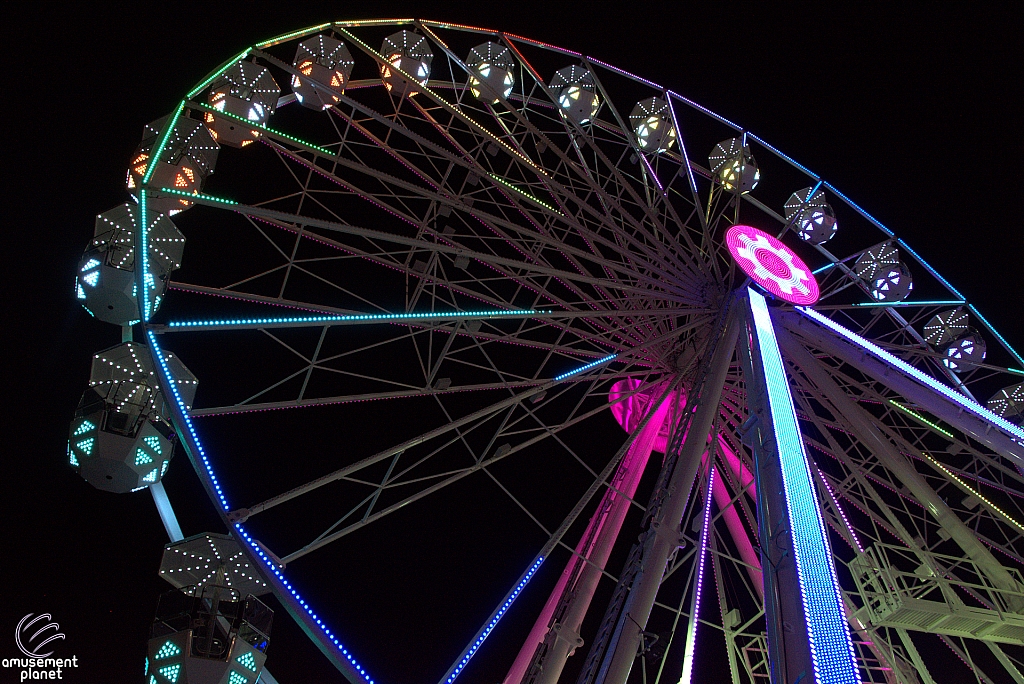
x=787 y=158
x=929 y=268
x=828 y=634
x=932 y=302
x=470 y=651
x=142 y=256
x=268 y=562
x=946 y=391
x=858 y=209
x=345 y=318
x=587 y=367
x=691 y=628
x=996 y=333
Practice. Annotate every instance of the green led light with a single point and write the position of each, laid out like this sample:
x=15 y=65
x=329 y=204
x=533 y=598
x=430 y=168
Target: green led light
x=293 y=34
x=142 y=458
x=84 y=427
x=170 y=672
x=1015 y=370
x=355 y=317
x=217 y=112
x=168 y=650
x=247 y=660
x=195 y=91
x=163 y=142
x=153 y=442
x=975 y=493
x=86 y=445
x=198 y=196
x=922 y=419
x=525 y=194
x=71 y=457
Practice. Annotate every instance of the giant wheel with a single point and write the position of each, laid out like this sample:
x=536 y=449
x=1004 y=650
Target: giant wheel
x=463 y=311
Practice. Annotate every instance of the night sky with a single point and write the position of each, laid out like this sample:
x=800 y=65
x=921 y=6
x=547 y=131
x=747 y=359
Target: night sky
x=907 y=109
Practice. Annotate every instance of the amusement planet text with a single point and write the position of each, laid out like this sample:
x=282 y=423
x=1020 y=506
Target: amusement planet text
x=41 y=668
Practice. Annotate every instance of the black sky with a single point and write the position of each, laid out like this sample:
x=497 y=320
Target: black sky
x=907 y=108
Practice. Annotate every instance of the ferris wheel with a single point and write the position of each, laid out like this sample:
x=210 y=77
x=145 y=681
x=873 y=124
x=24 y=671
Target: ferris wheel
x=405 y=291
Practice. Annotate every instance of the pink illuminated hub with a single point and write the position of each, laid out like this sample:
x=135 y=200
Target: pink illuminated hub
x=772 y=265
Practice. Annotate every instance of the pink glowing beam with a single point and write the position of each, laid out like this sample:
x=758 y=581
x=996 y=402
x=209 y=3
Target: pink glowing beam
x=596 y=543
x=740 y=536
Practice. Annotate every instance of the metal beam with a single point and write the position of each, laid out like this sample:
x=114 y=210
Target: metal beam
x=556 y=537
x=662 y=539
x=869 y=434
x=303 y=615
x=1008 y=665
x=556 y=634
x=992 y=431
x=166 y=511
x=911 y=648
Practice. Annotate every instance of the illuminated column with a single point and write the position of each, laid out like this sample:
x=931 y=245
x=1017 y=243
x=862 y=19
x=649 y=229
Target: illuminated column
x=808 y=635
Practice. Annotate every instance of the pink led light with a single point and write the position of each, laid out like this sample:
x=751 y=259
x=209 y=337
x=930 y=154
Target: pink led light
x=630 y=406
x=772 y=265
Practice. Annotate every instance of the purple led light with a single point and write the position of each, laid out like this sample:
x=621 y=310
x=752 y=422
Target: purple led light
x=835 y=500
